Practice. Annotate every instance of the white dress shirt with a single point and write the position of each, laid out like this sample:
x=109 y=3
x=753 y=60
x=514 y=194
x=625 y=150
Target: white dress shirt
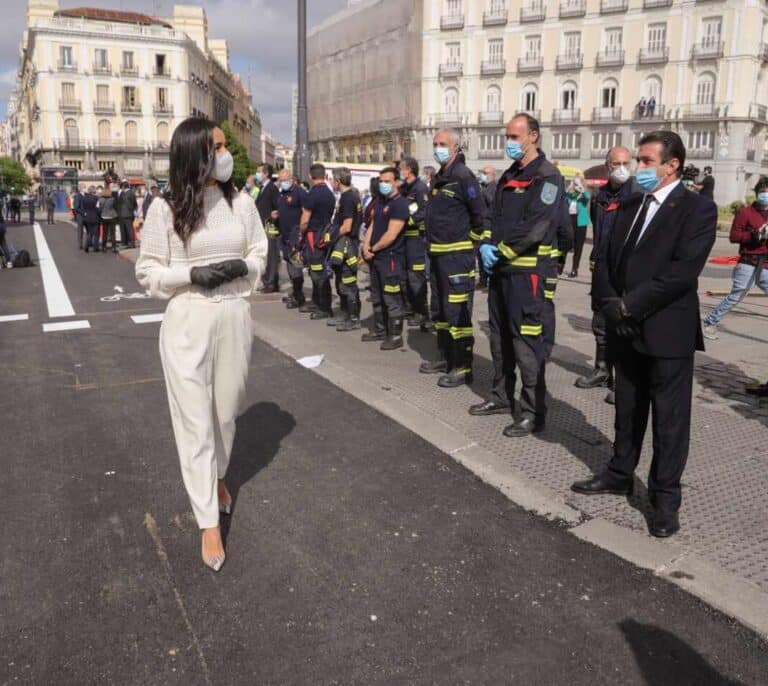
x=659 y=197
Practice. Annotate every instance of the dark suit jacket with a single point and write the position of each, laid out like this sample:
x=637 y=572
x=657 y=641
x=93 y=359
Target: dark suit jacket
x=89 y=208
x=127 y=204
x=267 y=201
x=662 y=272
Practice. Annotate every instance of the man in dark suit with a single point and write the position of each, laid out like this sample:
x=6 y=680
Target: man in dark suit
x=646 y=280
x=89 y=206
x=127 y=206
x=266 y=204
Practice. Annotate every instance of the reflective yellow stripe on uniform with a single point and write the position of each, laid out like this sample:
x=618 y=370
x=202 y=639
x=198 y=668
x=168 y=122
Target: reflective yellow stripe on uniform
x=531 y=330
x=316 y=267
x=442 y=326
x=555 y=253
x=549 y=295
x=458 y=297
x=469 y=275
x=273 y=232
x=461 y=332
x=487 y=235
x=348 y=279
x=352 y=261
x=337 y=254
x=392 y=289
x=438 y=248
x=411 y=233
x=418 y=267
x=475 y=236
x=545 y=250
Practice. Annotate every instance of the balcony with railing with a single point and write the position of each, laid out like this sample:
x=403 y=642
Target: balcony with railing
x=610 y=58
x=700 y=153
x=572 y=8
x=102 y=68
x=490 y=154
x=536 y=114
x=611 y=6
x=493 y=67
x=496 y=16
x=490 y=118
x=655 y=4
x=701 y=111
x=567 y=115
x=69 y=144
x=162 y=108
x=603 y=115
x=654 y=55
x=708 y=50
x=130 y=108
x=758 y=112
x=530 y=65
x=70 y=105
x=451 y=69
x=448 y=119
x=533 y=11
x=103 y=107
x=657 y=113
x=129 y=70
x=164 y=71
x=569 y=61
x=451 y=22
x=67 y=66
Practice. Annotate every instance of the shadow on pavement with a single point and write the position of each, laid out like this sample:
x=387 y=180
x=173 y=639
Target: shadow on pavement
x=663 y=658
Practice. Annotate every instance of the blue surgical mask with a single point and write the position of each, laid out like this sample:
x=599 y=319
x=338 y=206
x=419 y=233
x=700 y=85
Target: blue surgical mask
x=514 y=150
x=647 y=179
x=442 y=155
x=762 y=198
x=247 y=186
x=385 y=189
x=482 y=178
x=259 y=177
x=285 y=185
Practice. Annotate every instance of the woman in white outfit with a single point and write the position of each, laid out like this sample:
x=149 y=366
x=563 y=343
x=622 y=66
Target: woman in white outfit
x=204 y=247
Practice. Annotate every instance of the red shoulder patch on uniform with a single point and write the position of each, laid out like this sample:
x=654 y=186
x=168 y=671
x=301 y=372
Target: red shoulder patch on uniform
x=518 y=184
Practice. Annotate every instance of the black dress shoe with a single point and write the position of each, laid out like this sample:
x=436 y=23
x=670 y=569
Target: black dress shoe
x=664 y=524
x=293 y=305
x=270 y=289
x=307 y=307
x=524 y=427
x=604 y=483
x=319 y=314
x=488 y=407
x=455 y=378
x=610 y=398
x=436 y=367
x=599 y=377
x=427 y=326
x=372 y=336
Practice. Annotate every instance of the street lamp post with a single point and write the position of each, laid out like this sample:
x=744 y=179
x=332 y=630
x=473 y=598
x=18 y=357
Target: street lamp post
x=302 y=159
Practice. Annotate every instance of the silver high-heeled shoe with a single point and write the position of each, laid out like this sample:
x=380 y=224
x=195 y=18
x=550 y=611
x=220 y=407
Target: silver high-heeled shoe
x=225 y=508
x=215 y=562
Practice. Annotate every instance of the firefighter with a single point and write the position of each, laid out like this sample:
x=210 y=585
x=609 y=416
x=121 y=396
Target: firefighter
x=415 y=191
x=609 y=198
x=384 y=250
x=288 y=218
x=527 y=210
x=454 y=219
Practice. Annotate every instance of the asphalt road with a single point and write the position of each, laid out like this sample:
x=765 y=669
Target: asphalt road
x=357 y=553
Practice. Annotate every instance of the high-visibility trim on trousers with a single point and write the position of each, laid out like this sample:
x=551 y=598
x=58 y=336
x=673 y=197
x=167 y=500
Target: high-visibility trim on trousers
x=441 y=326
x=317 y=267
x=436 y=248
x=418 y=267
x=531 y=330
x=460 y=332
x=458 y=297
x=391 y=288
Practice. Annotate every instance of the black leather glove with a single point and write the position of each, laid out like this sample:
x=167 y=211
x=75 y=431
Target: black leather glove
x=208 y=277
x=613 y=311
x=232 y=269
x=627 y=329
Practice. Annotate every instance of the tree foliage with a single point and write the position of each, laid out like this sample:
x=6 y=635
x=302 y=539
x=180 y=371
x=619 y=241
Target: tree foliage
x=13 y=178
x=244 y=165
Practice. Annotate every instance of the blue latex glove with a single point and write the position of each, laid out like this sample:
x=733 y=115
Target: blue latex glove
x=489 y=254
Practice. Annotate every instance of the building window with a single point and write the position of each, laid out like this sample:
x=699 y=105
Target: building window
x=162 y=133
x=162 y=97
x=162 y=165
x=68 y=93
x=452 y=7
x=74 y=164
x=530 y=98
x=572 y=43
x=65 y=56
x=131 y=133
x=612 y=41
x=451 y=101
x=128 y=62
x=106 y=165
x=105 y=132
x=161 y=66
x=701 y=140
x=129 y=96
x=568 y=96
x=603 y=141
x=493 y=99
x=652 y=88
x=453 y=53
x=532 y=47
x=657 y=37
x=711 y=31
x=496 y=50
x=71 y=132
x=100 y=59
x=133 y=164
x=102 y=95
x=608 y=93
x=566 y=141
x=705 y=90
x=491 y=142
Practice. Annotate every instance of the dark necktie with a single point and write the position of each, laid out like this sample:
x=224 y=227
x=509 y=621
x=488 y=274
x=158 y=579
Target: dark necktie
x=629 y=244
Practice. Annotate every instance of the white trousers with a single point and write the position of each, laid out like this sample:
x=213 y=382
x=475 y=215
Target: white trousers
x=205 y=348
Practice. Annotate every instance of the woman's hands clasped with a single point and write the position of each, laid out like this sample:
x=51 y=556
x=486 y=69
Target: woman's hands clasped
x=214 y=275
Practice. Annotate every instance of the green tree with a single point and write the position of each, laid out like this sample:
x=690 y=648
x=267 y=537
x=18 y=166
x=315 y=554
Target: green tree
x=244 y=165
x=13 y=178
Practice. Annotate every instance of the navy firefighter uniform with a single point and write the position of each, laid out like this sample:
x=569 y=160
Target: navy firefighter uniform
x=288 y=220
x=524 y=220
x=454 y=220
x=417 y=195
x=321 y=202
x=344 y=259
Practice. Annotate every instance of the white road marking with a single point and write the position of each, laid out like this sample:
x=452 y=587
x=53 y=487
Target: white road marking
x=147 y=318
x=59 y=304
x=14 y=317
x=66 y=326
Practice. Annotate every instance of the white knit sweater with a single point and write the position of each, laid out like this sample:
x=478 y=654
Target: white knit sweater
x=224 y=233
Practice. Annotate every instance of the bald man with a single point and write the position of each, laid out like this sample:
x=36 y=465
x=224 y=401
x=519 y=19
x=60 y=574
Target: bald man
x=609 y=199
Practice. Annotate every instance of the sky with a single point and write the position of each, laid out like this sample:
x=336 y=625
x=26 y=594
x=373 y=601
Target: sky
x=261 y=36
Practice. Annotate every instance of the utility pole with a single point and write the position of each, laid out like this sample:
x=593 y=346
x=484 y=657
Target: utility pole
x=302 y=159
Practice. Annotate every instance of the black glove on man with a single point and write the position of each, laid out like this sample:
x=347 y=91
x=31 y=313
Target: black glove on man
x=617 y=317
x=232 y=269
x=208 y=277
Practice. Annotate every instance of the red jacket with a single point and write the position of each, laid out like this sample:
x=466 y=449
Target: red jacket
x=746 y=223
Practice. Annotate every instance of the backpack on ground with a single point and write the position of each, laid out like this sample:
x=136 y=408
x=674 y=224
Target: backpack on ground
x=23 y=259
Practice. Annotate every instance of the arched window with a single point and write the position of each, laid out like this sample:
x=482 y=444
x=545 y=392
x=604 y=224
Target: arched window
x=530 y=99
x=162 y=133
x=451 y=101
x=652 y=88
x=568 y=93
x=705 y=89
x=131 y=133
x=71 y=132
x=493 y=99
x=609 y=93
x=105 y=132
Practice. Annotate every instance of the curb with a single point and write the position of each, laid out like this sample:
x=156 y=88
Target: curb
x=722 y=590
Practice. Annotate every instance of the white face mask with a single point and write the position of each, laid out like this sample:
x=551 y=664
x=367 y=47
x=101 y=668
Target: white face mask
x=223 y=166
x=620 y=174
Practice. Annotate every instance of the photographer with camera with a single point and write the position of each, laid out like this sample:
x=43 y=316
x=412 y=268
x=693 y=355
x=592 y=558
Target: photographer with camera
x=750 y=231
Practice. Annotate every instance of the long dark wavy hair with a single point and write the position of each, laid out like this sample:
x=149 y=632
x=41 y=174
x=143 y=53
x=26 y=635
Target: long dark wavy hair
x=192 y=158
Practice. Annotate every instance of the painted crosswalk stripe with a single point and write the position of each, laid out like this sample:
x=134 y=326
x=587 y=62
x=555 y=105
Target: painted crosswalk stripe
x=59 y=304
x=66 y=326
x=14 y=317
x=147 y=318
